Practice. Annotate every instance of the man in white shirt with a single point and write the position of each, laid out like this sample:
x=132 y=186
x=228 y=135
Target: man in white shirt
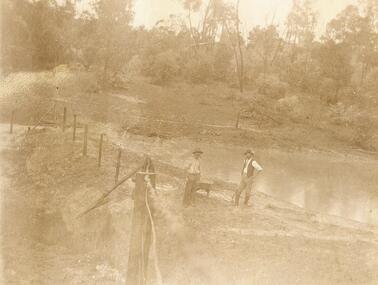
x=249 y=171
x=193 y=168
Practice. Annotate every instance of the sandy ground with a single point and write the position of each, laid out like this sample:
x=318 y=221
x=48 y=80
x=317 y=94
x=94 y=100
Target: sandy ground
x=270 y=242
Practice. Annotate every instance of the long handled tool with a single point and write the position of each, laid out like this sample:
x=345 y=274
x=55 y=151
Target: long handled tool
x=101 y=201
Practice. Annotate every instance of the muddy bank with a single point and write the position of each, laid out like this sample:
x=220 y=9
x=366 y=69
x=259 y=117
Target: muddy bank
x=327 y=183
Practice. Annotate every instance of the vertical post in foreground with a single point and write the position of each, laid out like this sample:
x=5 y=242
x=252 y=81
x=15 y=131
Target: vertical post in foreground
x=85 y=140
x=64 y=118
x=118 y=165
x=74 y=129
x=100 y=150
x=11 y=122
x=140 y=240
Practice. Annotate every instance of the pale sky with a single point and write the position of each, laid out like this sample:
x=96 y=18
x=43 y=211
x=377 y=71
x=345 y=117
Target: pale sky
x=252 y=12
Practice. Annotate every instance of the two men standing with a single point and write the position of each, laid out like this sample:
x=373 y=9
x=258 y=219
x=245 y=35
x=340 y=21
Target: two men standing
x=193 y=168
x=249 y=171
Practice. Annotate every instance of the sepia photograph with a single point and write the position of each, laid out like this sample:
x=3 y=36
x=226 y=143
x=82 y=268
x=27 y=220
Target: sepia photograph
x=189 y=142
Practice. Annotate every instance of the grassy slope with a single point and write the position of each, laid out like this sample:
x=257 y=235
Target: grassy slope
x=207 y=113
x=194 y=111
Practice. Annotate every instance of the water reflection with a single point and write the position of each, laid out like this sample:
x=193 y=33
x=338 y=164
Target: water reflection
x=344 y=186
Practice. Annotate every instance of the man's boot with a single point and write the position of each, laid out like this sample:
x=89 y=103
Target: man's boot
x=246 y=199
x=237 y=197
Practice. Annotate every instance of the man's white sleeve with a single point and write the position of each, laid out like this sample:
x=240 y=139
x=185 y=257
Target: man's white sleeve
x=188 y=164
x=257 y=166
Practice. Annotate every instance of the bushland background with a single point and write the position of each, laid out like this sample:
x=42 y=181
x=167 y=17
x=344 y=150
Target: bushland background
x=188 y=80
x=326 y=82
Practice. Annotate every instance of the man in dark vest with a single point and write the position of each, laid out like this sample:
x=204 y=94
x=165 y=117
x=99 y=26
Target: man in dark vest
x=249 y=171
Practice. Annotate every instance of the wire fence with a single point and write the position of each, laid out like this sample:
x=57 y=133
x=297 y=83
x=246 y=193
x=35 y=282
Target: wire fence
x=143 y=213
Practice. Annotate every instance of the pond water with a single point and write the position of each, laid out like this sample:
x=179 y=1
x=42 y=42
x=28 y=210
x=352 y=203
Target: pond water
x=334 y=184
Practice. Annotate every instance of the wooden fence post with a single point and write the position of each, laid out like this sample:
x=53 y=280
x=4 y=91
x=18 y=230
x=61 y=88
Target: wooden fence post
x=54 y=114
x=85 y=140
x=118 y=165
x=140 y=240
x=64 y=118
x=100 y=150
x=11 y=122
x=237 y=120
x=74 y=129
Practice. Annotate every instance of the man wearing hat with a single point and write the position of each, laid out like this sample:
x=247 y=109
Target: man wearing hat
x=193 y=169
x=250 y=168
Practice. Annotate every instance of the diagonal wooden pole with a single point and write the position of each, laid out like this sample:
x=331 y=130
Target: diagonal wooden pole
x=101 y=201
x=118 y=165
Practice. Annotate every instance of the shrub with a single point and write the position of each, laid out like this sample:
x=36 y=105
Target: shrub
x=222 y=63
x=271 y=85
x=199 y=68
x=162 y=67
x=327 y=91
x=360 y=124
x=290 y=107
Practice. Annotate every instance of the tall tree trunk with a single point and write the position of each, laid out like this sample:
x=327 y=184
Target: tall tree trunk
x=241 y=74
x=191 y=29
x=106 y=63
x=204 y=24
x=304 y=77
x=234 y=51
x=364 y=70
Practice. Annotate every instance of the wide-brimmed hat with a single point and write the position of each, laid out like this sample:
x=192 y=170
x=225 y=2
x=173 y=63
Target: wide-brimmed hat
x=249 y=151
x=197 y=150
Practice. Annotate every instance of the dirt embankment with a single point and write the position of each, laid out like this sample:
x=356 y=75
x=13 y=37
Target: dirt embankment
x=210 y=243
